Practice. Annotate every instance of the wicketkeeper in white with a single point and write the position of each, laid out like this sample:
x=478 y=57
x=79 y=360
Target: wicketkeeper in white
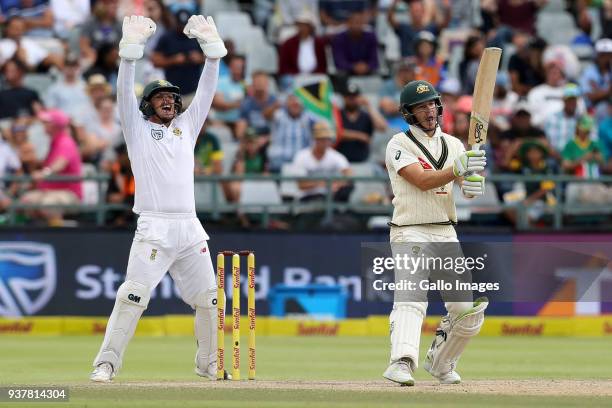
x=423 y=163
x=169 y=237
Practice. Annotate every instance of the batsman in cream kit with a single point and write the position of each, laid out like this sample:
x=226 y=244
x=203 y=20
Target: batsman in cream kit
x=161 y=139
x=423 y=163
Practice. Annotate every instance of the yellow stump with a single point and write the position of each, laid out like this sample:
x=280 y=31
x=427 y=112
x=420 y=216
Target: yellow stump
x=220 y=316
x=251 y=313
x=236 y=317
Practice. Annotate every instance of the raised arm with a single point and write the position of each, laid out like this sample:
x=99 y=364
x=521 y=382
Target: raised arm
x=136 y=30
x=126 y=97
x=205 y=31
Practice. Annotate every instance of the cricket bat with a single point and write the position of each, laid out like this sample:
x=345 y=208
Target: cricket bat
x=483 y=97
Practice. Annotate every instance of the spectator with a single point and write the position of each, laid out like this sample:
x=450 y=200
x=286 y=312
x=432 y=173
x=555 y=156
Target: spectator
x=547 y=98
x=334 y=14
x=157 y=11
x=291 y=132
x=36 y=15
x=429 y=67
x=103 y=27
x=14 y=45
x=105 y=131
x=304 y=53
x=520 y=130
x=208 y=154
x=107 y=64
x=390 y=92
x=180 y=57
x=121 y=187
x=355 y=50
x=251 y=158
x=583 y=156
x=605 y=138
x=449 y=89
x=460 y=111
x=525 y=66
x=560 y=127
x=359 y=120
x=321 y=160
x=532 y=160
x=258 y=107
x=68 y=93
x=519 y=14
x=407 y=32
x=286 y=13
x=9 y=164
x=504 y=101
x=230 y=93
x=15 y=99
x=18 y=139
x=474 y=47
x=63 y=159
x=596 y=79
x=69 y=15
x=97 y=88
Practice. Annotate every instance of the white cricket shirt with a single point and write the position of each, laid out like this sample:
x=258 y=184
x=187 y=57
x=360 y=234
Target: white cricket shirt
x=412 y=206
x=162 y=157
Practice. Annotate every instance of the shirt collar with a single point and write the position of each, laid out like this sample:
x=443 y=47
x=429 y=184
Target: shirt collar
x=416 y=131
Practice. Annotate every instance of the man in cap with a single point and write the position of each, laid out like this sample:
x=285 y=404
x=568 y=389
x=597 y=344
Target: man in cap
x=320 y=159
x=597 y=78
x=404 y=72
x=160 y=140
x=560 y=127
x=180 y=58
x=304 y=53
x=423 y=163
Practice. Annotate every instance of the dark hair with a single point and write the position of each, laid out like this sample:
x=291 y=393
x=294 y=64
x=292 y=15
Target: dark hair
x=469 y=44
x=20 y=65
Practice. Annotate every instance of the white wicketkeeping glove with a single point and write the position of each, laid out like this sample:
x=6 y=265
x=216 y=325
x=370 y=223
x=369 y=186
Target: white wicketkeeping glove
x=473 y=186
x=136 y=31
x=205 y=31
x=469 y=162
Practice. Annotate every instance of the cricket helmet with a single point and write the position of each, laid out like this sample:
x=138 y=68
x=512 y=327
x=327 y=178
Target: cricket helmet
x=414 y=93
x=158 y=86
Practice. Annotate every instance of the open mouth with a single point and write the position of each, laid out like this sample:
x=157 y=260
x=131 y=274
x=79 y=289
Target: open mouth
x=167 y=108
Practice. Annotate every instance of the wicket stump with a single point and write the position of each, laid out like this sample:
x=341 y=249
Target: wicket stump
x=235 y=312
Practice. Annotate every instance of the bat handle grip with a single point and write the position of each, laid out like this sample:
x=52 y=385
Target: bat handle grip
x=475 y=146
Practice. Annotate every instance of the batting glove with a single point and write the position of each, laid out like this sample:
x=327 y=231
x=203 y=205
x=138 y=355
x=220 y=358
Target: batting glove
x=469 y=162
x=205 y=31
x=136 y=31
x=473 y=186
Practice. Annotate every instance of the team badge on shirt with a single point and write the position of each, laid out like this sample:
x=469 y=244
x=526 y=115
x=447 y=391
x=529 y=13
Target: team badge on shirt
x=424 y=164
x=157 y=134
x=177 y=131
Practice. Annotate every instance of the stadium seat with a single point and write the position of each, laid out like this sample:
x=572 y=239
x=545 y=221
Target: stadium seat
x=38 y=82
x=203 y=192
x=378 y=145
x=91 y=193
x=556 y=28
x=229 y=154
x=553 y=6
x=365 y=191
x=223 y=134
x=367 y=84
x=289 y=189
x=462 y=204
x=260 y=192
x=214 y=7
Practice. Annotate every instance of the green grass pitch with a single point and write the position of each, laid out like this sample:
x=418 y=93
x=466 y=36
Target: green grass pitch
x=315 y=371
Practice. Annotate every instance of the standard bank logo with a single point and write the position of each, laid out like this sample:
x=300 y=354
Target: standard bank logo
x=27 y=277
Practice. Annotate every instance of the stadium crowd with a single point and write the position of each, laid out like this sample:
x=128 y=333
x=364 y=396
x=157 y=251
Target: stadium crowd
x=551 y=115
